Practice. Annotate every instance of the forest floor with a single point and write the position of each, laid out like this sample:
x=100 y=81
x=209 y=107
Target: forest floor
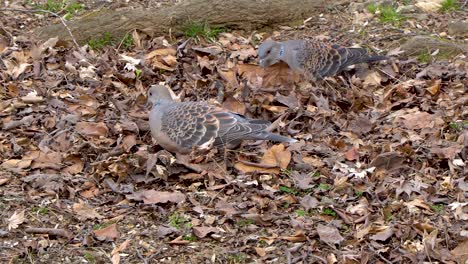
x=378 y=175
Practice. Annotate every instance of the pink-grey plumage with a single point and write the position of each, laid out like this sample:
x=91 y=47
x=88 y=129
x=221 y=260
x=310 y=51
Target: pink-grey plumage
x=179 y=127
x=313 y=58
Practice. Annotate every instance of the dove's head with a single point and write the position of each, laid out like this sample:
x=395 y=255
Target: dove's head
x=158 y=92
x=270 y=52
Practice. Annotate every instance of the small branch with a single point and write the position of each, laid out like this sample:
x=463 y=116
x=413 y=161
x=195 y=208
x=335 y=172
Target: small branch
x=49 y=231
x=259 y=165
x=48 y=12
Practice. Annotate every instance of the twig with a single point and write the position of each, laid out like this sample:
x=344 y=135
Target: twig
x=259 y=165
x=48 y=12
x=49 y=231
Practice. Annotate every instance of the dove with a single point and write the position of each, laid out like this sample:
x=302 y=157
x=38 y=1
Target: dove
x=313 y=58
x=180 y=126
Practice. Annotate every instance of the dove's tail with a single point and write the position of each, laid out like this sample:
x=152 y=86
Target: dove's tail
x=279 y=138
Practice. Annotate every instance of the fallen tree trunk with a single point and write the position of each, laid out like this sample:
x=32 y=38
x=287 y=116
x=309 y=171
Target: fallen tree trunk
x=235 y=14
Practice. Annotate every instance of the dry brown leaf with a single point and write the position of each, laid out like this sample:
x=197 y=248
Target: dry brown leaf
x=155 y=197
x=277 y=155
x=169 y=60
x=417 y=203
x=92 y=129
x=85 y=211
x=3 y=44
x=203 y=231
x=128 y=142
x=388 y=161
x=279 y=74
x=161 y=52
x=352 y=154
x=309 y=202
x=372 y=79
x=275 y=108
x=329 y=234
x=16 y=219
x=115 y=252
x=447 y=152
x=362 y=232
x=460 y=252
x=419 y=120
x=275 y=158
x=313 y=161
x=227 y=208
x=163 y=59
x=46 y=160
x=230 y=77
x=383 y=235
x=76 y=166
x=109 y=233
x=158 y=65
x=233 y=105
x=298 y=237
x=260 y=251
x=435 y=87
x=3 y=181
x=244 y=54
x=17 y=163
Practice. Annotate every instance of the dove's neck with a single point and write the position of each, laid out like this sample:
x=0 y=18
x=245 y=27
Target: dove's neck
x=161 y=102
x=285 y=54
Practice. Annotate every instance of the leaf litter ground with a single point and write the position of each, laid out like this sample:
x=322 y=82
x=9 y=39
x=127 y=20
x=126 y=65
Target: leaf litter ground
x=378 y=174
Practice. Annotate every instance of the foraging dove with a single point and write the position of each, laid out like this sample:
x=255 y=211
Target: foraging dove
x=313 y=58
x=178 y=127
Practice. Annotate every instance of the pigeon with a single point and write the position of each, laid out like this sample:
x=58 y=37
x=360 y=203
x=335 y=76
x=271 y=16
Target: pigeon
x=313 y=58
x=182 y=126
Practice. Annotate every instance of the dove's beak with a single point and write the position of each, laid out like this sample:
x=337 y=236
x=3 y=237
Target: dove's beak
x=262 y=63
x=148 y=105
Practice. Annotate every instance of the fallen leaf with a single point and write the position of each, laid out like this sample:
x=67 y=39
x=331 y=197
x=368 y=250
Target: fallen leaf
x=329 y=234
x=230 y=77
x=155 y=197
x=115 y=252
x=387 y=161
x=16 y=219
x=233 y=105
x=17 y=163
x=92 y=129
x=298 y=237
x=419 y=120
x=203 y=231
x=128 y=142
x=46 y=160
x=417 y=203
x=352 y=154
x=76 y=166
x=275 y=108
x=85 y=211
x=383 y=235
x=109 y=233
x=227 y=208
x=460 y=251
x=429 y=5
x=277 y=155
x=435 y=87
x=309 y=202
x=244 y=54
x=372 y=79
x=260 y=251
x=275 y=158
x=447 y=152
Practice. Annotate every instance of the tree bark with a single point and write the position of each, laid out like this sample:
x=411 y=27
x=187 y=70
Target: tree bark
x=234 y=14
